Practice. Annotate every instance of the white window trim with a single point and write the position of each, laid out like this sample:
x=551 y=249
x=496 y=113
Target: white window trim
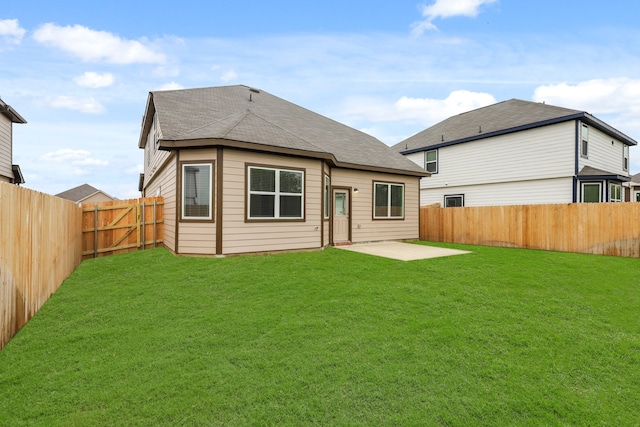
x=183 y=215
x=599 y=184
x=584 y=139
x=613 y=186
x=389 y=184
x=276 y=194
x=625 y=157
x=454 y=196
x=432 y=161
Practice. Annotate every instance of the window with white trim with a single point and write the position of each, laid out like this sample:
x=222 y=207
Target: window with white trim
x=275 y=193
x=591 y=192
x=431 y=161
x=388 y=200
x=454 y=200
x=584 y=144
x=197 y=187
x=615 y=192
x=625 y=157
x=327 y=187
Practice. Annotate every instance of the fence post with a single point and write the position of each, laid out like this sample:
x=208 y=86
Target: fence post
x=95 y=230
x=144 y=236
x=154 y=223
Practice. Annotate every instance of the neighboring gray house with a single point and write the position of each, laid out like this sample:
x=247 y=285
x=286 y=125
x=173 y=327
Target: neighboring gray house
x=8 y=171
x=634 y=188
x=85 y=194
x=520 y=152
x=244 y=171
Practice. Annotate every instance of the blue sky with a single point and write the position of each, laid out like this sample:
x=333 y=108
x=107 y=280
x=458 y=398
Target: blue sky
x=80 y=72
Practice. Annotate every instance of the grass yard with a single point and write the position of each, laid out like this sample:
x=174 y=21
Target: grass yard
x=496 y=337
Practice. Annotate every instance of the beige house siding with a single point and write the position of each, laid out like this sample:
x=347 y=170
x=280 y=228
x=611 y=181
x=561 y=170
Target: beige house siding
x=6 y=173
x=154 y=159
x=197 y=238
x=164 y=184
x=97 y=198
x=240 y=236
x=364 y=227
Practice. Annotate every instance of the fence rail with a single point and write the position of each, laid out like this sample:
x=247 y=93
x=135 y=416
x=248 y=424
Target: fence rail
x=40 y=246
x=121 y=226
x=594 y=228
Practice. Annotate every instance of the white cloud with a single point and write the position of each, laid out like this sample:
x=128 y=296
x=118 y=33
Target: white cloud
x=599 y=96
x=424 y=111
x=74 y=157
x=447 y=9
x=229 y=76
x=86 y=105
x=171 y=86
x=91 y=45
x=10 y=31
x=95 y=80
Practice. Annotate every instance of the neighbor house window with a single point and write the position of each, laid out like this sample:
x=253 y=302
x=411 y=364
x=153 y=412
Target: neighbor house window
x=584 y=145
x=431 y=161
x=327 y=187
x=637 y=197
x=388 y=200
x=591 y=192
x=197 y=188
x=625 y=157
x=275 y=193
x=615 y=192
x=452 y=201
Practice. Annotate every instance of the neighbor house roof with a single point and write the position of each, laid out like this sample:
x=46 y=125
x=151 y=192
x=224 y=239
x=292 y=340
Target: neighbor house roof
x=10 y=113
x=243 y=117
x=81 y=192
x=589 y=172
x=502 y=118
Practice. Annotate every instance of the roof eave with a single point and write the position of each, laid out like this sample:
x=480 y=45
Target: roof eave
x=147 y=120
x=11 y=114
x=170 y=145
x=496 y=133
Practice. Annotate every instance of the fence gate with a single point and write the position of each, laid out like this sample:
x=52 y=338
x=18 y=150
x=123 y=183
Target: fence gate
x=121 y=226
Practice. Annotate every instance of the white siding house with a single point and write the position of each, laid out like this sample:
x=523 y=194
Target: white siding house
x=8 y=171
x=520 y=152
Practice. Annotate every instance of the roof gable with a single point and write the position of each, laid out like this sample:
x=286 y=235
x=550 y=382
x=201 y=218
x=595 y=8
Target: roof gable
x=250 y=116
x=497 y=119
x=80 y=193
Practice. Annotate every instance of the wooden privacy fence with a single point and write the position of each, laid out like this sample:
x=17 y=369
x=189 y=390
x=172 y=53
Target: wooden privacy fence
x=121 y=226
x=594 y=228
x=40 y=246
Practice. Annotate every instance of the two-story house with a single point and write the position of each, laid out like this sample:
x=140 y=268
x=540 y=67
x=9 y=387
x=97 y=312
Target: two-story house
x=8 y=171
x=520 y=152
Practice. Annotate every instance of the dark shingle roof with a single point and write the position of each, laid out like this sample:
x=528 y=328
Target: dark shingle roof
x=501 y=118
x=223 y=115
x=589 y=172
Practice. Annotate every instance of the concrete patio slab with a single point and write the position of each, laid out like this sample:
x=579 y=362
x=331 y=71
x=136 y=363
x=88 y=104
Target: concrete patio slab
x=401 y=251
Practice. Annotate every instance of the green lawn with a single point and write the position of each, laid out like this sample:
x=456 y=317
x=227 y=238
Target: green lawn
x=496 y=337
